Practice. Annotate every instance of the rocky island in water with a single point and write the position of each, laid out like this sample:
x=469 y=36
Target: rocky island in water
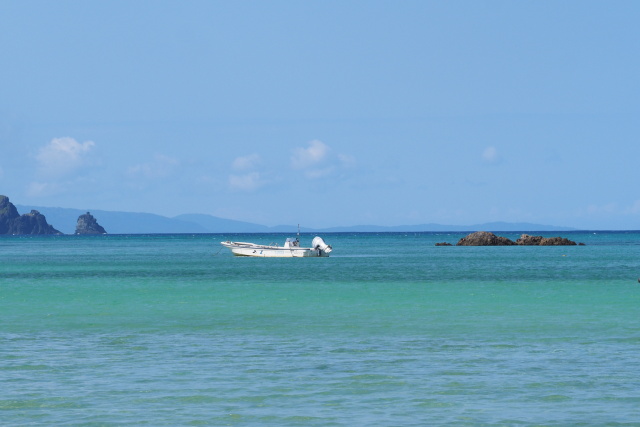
x=87 y=224
x=11 y=222
x=485 y=238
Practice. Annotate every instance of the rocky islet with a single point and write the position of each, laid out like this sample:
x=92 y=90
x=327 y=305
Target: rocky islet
x=87 y=224
x=485 y=238
x=34 y=223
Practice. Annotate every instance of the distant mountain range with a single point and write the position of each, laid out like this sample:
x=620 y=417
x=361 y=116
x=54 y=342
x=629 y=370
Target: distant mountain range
x=65 y=219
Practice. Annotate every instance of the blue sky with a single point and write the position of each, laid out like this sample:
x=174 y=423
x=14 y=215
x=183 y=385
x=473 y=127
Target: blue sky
x=325 y=113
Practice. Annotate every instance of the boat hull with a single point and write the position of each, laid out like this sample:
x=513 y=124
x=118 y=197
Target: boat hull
x=278 y=253
x=248 y=249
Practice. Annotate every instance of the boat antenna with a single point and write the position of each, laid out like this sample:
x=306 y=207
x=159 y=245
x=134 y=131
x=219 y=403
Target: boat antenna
x=298 y=232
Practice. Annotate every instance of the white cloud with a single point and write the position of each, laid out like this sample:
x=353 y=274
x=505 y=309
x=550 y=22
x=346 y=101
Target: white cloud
x=490 y=155
x=246 y=162
x=314 y=154
x=248 y=182
x=160 y=167
x=318 y=160
x=63 y=156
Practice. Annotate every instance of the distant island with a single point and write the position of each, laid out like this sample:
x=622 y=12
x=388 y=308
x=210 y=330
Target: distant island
x=35 y=223
x=65 y=220
x=11 y=222
x=87 y=224
x=41 y=220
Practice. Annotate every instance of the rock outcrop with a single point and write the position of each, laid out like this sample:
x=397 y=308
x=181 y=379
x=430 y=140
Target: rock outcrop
x=87 y=224
x=32 y=223
x=526 y=240
x=8 y=214
x=484 y=238
x=13 y=223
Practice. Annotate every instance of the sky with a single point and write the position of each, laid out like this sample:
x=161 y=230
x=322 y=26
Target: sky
x=324 y=114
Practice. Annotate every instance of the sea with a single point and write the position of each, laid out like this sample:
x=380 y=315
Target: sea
x=390 y=330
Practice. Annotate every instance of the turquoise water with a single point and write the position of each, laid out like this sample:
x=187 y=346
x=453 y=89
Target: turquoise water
x=390 y=330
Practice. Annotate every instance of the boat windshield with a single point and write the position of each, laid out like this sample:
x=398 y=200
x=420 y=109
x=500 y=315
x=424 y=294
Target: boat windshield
x=292 y=241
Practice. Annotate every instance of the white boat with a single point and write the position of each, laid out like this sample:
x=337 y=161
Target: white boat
x=291 y=249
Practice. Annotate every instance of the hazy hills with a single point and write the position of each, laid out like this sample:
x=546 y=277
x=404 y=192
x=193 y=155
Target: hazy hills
x=65 y=219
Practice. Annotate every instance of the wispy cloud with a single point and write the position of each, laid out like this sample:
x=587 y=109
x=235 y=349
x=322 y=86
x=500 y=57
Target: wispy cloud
x=159 y=167
x=346 y=160
x=315 y=160
x=319 y=172
x=611 y=210
x=251 y=180
x=244 y=163
x=247 y=182
x=490 y=155
x=607 y=209
x=634 y=209
x=63 y=156
x=61 y=166
x=318 y=160
x=38 y=189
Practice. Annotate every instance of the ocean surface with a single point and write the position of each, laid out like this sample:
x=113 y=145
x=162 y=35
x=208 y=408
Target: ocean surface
x=389 y=331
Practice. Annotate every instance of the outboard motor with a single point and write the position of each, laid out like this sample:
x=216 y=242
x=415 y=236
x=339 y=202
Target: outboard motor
x=320 y=245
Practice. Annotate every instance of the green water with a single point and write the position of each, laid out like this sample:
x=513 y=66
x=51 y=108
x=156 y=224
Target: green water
x=390 y=330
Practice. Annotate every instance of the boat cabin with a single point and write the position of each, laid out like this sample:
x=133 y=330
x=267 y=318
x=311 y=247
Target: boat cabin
x=291 y=242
